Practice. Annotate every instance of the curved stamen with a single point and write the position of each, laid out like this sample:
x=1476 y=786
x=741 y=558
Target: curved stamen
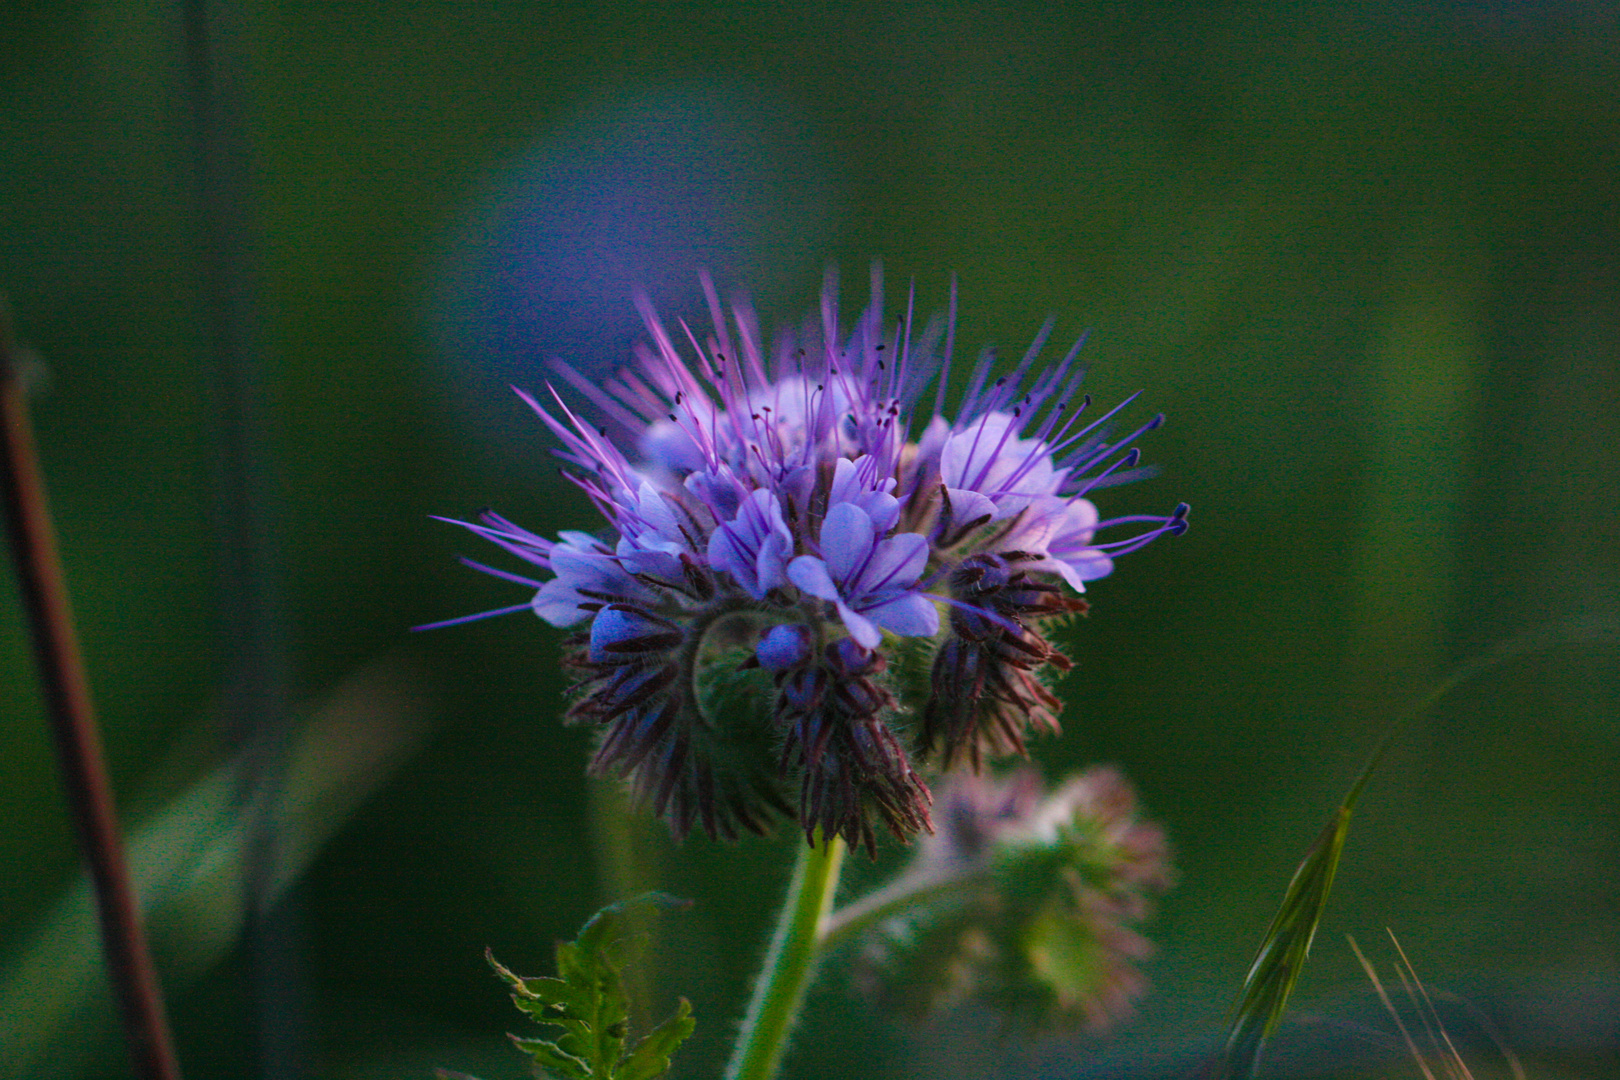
x=1063 y=440
x=504 y=575
x=514 y=609
x=1103 y=452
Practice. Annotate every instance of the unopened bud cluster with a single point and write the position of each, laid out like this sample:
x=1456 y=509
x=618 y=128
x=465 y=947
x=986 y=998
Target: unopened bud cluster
x=813 y=586
x=1032 y=900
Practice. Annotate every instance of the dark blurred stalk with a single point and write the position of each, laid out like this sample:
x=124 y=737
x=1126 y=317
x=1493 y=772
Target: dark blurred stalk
x=73 y=725
x=1422 y=397
x=628 y=864
x=256 y=720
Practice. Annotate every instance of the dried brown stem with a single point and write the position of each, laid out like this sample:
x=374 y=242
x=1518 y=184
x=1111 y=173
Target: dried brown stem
x=73 y=725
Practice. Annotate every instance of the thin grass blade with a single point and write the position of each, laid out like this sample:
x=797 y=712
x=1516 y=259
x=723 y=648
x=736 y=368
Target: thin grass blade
x=1287 y=943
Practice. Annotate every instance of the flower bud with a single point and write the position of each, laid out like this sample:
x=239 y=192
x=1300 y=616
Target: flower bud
x=620 y=632
x=1029 y=904
x=784 y=647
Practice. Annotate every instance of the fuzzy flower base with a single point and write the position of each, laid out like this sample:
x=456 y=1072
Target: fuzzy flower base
x=813 y=585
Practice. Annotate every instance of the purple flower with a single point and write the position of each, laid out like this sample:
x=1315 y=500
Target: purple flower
x=754 y=547
x=868 y=579
x=988 y=459
x=773 y=515
x=656 y=530
x=1062 y=530
x=859 y=484
x=589 y=574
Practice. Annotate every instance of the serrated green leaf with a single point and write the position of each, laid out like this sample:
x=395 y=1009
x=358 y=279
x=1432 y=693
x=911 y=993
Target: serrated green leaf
x=651 y=1055
x=596 y=935
x=547 y=1056
x=581 y=967
x=588 y=1002
x=554 y=993
x=506 y=974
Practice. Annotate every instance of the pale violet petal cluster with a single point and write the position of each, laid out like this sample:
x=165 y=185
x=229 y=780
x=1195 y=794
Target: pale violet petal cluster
x=806 y=508
x=989 y=469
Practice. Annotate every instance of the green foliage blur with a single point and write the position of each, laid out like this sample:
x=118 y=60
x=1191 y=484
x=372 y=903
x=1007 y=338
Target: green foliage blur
x=1365 y=257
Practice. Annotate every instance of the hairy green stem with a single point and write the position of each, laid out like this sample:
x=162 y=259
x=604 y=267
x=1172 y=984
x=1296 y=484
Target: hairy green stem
x=902 y=894
x=789 y=963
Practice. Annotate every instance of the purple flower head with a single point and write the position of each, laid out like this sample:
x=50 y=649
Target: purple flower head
x=800 y=543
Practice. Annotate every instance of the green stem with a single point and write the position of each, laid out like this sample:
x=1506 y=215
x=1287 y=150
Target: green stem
x=902 y=894
x=789 y=963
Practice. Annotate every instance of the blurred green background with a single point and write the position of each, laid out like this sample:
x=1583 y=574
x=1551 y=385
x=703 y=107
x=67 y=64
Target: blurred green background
x=1365 y=257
